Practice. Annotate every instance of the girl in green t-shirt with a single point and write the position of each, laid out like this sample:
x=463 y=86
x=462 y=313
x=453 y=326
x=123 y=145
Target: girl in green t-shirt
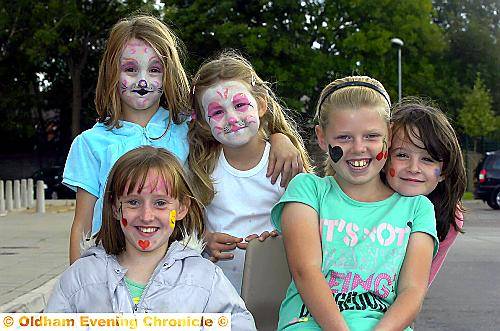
x=359 y=253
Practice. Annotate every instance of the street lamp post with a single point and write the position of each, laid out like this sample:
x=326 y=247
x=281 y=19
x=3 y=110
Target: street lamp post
x=399 y=43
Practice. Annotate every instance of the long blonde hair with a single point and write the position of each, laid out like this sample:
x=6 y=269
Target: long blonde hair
x=131 y=171
x=354 y=94
x=204 y=150
x=166 y=44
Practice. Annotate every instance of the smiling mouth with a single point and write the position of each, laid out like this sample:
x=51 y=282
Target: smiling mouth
x=359 y=164
x=147 y=229
x=413 y=180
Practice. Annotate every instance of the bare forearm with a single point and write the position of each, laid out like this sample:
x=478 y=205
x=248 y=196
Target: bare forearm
x=403 y=311
x=318 y=299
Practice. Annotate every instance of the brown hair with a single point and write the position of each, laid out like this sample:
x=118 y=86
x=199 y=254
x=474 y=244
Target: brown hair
x=166 y=44
x=416 y=118
x=204 y=149
x=129 y=172
x=353 y=98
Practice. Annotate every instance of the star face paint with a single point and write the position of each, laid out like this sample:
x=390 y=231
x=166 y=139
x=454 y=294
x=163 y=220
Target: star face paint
x=141 y=76
x=411 y=168
x=231 y=112
x=335 y=153
x=147 y=215
x=173 y=219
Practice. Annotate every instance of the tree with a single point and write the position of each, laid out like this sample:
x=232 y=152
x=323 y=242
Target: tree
x=476 y=116
x=303 y=45
x=472 y=31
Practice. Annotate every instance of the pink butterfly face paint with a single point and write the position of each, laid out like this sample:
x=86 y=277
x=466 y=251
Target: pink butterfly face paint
x=231 y=111
x=149 y=214
x=141 y=76
x=412 y=171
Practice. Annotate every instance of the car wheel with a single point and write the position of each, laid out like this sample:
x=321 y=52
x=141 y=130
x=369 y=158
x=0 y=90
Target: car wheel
x=494 y=200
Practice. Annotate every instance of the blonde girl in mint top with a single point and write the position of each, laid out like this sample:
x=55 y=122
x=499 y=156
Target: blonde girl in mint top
x=359 y=253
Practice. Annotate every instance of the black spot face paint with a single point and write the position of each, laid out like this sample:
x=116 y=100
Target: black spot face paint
x=335 y=152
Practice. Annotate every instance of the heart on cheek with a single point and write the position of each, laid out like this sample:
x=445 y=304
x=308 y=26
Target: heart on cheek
x=124 y=222
x=392 y=172
x=143 y=244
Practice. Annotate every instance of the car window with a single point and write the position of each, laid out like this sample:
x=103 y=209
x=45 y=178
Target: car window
x=495 y=164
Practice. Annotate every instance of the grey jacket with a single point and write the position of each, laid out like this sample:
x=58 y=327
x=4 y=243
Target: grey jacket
x=184 y=282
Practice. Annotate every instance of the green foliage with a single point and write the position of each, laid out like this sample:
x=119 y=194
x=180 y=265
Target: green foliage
x=476 y=116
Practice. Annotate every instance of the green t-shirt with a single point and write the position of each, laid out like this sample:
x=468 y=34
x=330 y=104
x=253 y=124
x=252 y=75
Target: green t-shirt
x=364 y=245
x=135 y=289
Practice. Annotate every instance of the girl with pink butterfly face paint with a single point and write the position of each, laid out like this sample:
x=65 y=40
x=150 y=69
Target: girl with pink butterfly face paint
x=236 y=112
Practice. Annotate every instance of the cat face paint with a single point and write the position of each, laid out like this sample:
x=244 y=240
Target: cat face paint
x=141 y=76
x=232 y=113
x=335 y=153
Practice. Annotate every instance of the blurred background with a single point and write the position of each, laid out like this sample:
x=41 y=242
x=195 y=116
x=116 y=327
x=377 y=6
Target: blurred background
x=50 y=52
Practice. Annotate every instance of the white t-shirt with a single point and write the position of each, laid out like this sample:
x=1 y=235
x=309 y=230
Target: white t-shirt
x=241 y=207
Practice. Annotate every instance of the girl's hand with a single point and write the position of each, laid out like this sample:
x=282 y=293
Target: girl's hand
x=218 y=242
x=284 y=158
x=262 y=237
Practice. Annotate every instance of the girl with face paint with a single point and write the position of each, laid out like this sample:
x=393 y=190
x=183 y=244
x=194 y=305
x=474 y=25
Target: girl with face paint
x=358 y=252
x=142 y=98
x=425 y=158
x=147 y=257
x=235 y=112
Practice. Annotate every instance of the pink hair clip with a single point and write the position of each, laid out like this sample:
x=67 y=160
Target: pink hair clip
x=193 y=116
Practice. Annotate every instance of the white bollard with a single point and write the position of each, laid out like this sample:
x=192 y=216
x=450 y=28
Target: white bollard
x=17 y=194
x=2 y=201
x=40 y=197
x=31 y=199
x=24 y=194
x=9 y=203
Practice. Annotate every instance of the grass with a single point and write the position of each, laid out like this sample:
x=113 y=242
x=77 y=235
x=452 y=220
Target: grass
x=468 y=196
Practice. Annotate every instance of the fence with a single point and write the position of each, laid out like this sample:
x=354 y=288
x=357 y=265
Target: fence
x=19 y=194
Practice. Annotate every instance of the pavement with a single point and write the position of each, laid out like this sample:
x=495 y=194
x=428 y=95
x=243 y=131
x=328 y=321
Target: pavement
x=33 y=252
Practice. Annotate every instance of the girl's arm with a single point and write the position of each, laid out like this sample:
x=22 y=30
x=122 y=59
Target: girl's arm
x=284 y=159
x=302 y=241
x=412 y=285
x=82 y=223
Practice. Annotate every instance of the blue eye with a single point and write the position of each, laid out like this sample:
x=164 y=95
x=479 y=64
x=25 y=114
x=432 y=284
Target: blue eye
x=132 y=203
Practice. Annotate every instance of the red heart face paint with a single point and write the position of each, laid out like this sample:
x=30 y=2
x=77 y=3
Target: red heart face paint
x=143 y=244
x=392 y=172
x=124 y=221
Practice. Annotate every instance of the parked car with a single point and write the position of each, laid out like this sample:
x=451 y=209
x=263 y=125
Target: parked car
x=52 y=178
x=487 y=181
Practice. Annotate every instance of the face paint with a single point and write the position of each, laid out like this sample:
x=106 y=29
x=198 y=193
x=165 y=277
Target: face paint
x=143 y=244
x=173 y=218
x=437 y=172
x=392 y=172
x=231 y=112
x=124 y=221
x=335 y=152
x=141 y=76
x=383 y=153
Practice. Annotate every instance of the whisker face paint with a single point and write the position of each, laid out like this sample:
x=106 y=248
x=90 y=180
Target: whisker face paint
x=173 y=218
x=335 y=153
